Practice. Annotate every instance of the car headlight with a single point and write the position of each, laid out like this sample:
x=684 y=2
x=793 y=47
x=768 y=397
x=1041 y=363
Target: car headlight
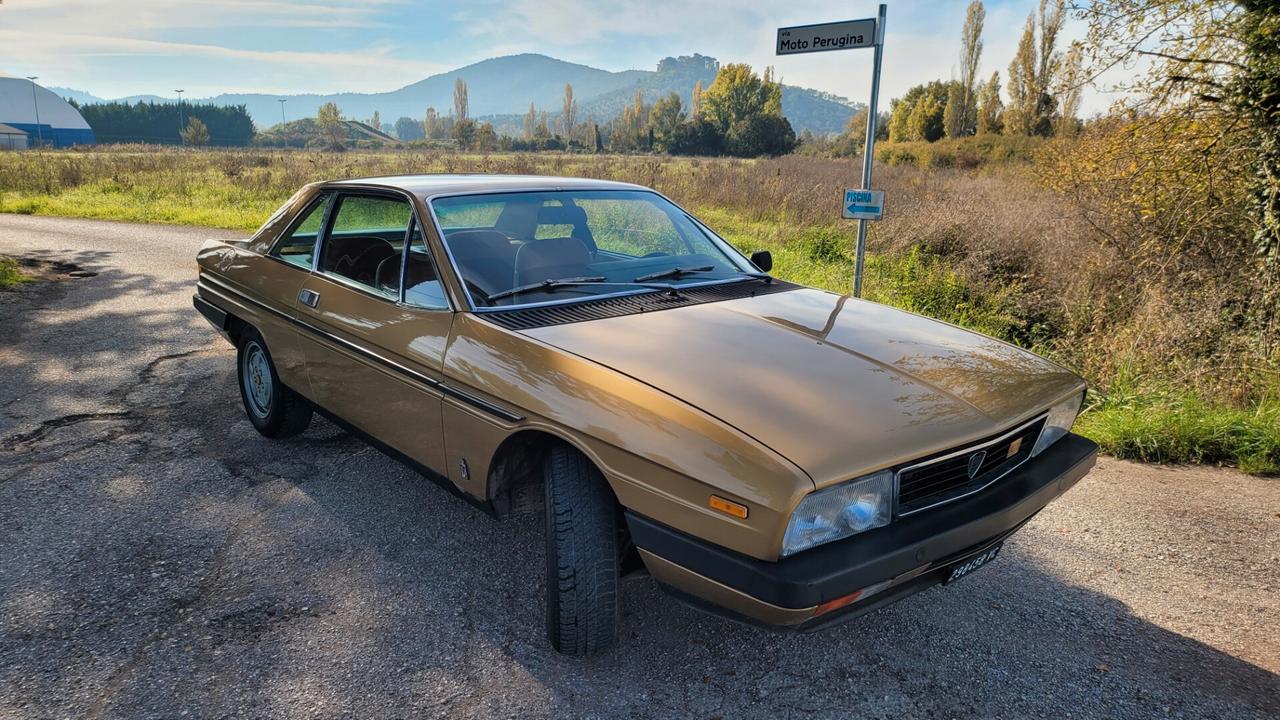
x=1061 y=417
x=840 y=511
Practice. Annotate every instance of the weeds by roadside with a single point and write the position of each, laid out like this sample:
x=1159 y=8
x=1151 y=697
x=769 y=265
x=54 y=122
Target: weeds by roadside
x=10 y=275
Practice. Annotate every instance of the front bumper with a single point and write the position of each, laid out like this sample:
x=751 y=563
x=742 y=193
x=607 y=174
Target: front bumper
x=902 y=558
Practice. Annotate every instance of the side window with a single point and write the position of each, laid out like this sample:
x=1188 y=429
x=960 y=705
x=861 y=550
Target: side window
x=299 y=244
x=422 y=286
x=365 y=240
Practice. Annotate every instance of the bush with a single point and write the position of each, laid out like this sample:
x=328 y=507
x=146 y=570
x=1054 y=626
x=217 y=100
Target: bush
x=967 y=153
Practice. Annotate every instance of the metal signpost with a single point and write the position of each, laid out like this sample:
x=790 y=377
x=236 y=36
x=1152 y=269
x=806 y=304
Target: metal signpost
x=863 y=203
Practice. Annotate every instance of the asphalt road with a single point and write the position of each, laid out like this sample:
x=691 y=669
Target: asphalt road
x=160 y=559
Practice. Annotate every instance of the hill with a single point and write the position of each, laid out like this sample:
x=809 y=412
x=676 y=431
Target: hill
x=305 y=132
x=506 y=85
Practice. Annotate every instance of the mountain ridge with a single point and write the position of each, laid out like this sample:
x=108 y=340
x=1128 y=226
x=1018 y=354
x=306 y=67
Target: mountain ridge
x=504 y=86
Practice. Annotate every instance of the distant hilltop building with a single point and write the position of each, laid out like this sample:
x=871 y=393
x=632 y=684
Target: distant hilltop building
x=59 y=124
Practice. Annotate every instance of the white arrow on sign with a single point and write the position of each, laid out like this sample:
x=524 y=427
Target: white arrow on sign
x=862 y=204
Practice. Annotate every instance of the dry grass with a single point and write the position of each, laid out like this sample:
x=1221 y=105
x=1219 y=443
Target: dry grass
x=992 y=250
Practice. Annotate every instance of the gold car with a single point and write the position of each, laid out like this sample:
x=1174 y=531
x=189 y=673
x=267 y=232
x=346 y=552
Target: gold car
x=778 y=454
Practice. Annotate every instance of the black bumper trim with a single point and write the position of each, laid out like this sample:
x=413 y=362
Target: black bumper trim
x=837 y=569
x=211 y=312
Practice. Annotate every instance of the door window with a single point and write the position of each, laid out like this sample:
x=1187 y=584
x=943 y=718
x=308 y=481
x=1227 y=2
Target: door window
x=422 y=286
x=365 y=241
x=298 y=246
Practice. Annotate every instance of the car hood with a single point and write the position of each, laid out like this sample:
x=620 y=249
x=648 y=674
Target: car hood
x=836 y=385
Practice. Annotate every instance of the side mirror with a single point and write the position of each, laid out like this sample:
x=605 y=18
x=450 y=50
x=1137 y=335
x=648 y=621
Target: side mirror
x=762 y=259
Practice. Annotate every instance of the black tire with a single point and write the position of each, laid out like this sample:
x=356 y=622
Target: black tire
x=275 y=410
x=582 y=554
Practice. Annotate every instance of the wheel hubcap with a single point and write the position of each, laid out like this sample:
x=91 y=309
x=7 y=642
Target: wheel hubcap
x=257 y=380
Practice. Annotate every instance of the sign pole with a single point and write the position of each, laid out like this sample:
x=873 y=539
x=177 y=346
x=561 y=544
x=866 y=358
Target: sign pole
x=868 y=154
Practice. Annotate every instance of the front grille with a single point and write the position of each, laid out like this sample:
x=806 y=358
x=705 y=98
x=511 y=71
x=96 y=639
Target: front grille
x=956 y=473
x=527 y=318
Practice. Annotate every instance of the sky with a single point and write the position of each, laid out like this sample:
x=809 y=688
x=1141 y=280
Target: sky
x=114 y=48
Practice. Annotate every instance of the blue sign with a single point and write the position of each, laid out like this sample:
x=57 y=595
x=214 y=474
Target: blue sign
x=863 y=204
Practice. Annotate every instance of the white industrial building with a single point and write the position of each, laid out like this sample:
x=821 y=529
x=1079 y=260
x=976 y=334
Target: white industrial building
x=44 y=118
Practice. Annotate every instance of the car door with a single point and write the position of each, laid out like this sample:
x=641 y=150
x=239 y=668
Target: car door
x=378 y=322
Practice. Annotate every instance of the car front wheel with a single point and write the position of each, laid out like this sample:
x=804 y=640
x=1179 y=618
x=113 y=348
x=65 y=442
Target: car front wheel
x=582 y=554
x=275 y=410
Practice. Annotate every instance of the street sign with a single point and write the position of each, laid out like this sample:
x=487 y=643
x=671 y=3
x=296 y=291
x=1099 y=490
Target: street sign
x=862 y=204
x=849 y=35
x=844 y=35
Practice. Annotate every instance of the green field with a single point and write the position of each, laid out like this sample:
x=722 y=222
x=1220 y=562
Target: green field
x=989 y=249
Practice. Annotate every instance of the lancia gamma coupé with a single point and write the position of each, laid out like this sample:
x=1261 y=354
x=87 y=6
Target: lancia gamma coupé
x=778 y=454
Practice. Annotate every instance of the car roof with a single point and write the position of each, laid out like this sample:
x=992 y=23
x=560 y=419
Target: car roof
x=425 y=186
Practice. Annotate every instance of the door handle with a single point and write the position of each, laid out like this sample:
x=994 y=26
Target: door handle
x=310 y=298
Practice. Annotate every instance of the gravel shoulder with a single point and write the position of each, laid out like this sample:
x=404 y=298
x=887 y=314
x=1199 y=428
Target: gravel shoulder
x=158 y=557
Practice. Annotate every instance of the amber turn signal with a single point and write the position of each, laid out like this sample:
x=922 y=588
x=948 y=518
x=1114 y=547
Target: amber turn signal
x=728 y=507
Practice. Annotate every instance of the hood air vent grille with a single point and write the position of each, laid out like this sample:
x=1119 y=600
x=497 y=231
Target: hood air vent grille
x=518 y=319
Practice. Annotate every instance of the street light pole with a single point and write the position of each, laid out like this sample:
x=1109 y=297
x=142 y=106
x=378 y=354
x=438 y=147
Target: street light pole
x=36 y=104
x=282 y=101
x=182 y=124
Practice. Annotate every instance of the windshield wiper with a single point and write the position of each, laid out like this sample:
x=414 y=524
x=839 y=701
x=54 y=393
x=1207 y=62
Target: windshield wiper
x=549 y=285
x=676 y=272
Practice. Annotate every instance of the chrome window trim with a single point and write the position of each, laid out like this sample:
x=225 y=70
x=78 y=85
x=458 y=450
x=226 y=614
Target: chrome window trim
x=321 y=198
x=969 y=449
x=335 y=193
x=429 y=201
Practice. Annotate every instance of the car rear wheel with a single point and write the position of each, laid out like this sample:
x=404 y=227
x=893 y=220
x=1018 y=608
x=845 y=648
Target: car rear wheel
x=582 y=554
x=275 y=410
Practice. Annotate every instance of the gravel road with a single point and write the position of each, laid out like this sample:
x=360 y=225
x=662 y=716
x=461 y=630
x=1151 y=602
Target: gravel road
x=159 y=559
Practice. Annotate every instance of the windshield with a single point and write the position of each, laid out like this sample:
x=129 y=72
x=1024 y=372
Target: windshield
x=522 y=248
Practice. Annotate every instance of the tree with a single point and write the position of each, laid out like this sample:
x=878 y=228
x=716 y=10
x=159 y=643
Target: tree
x=530 y=121
x=196 y=133
x=460 y=108
x=597 y=142
x=376 y=121
x=408 y=129
x=150 y=122
x=664 y=120
x=925 y=122
x=902 y=110
x=964 y=120
x=762 y=134
x=1034 y=70
x=990 y=107
x=953 y=120
x=1068 y=92
x=433 y=125
x=568 y=113
x=464 y=132
x=1212 y=83
x=485 y=138
x=738 y=94
x=332 y=129
x=695 y=100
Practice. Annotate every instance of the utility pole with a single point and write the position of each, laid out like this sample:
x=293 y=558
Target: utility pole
x=182 y=122
x=282 y=101
x=36 y=104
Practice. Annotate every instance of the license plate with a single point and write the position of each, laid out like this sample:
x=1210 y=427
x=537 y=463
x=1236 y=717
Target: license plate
x=965 y=567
